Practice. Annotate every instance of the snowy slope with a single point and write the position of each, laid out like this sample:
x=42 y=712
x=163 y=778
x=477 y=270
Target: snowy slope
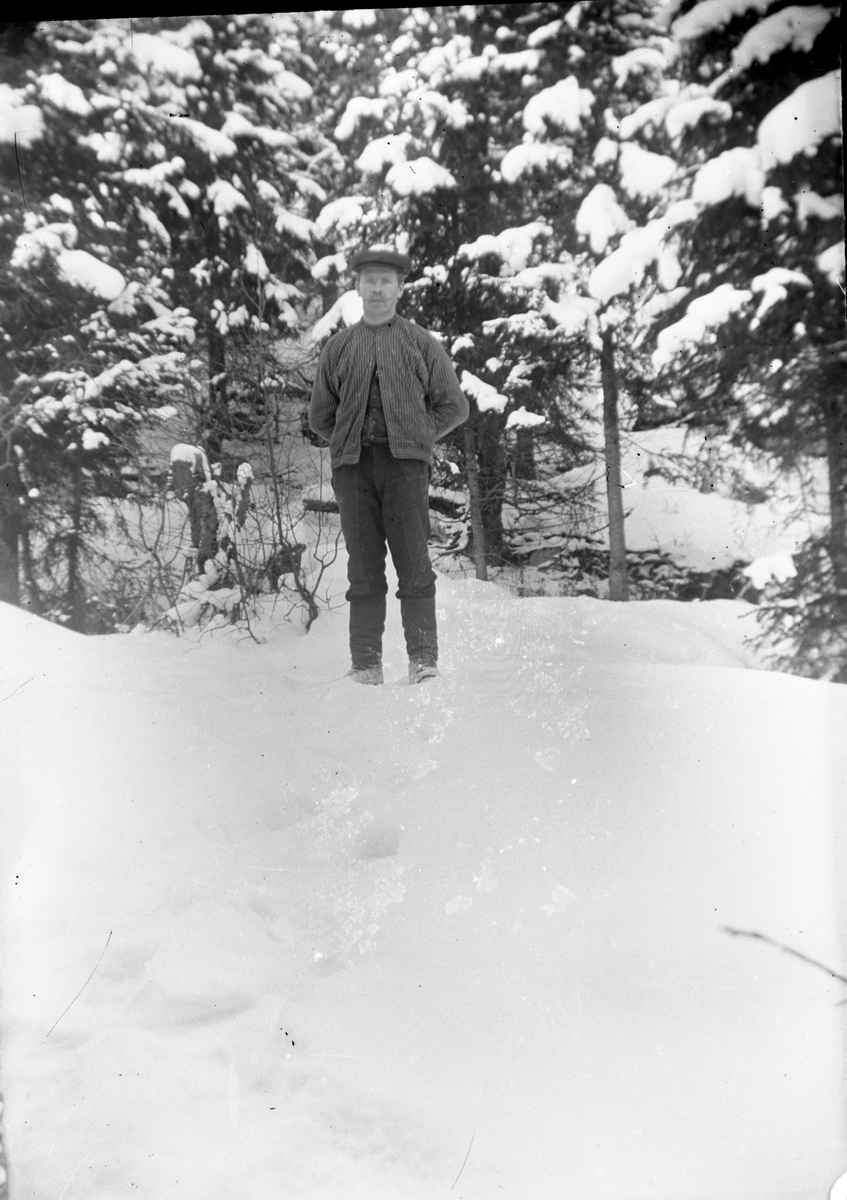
x=462 y=940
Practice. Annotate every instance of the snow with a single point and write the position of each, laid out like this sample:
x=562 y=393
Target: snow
x=533 y=156
x=357 y=109
x=641 y=61
x=418 y=177
x=707 y=529
x=38 y=240
x=225 y=199
x=522 y=419
x=644 y=174
x=299 y=227
x=639 y=249
x=82 y=269
x=214 y=143
x=774 y=285
x=703 y=314
x=514 y=245
x=347 y=310
x=778 y=567
x=57 y=90
x=18 y=120
x=544 y=33
x=794 y=28
x=573 y=315
x=92 y=440
x=825 y=208
x=341 y=214
x=735 y=172
x=830 y=262
x=359 y=18
x=324 y=265
x=564 y=105
x=262 y=925
x=439 y=111
x=383 y=152
x=687 y=114
x=711 y=15
x=800 y=122
x=164 y=57
x=601 y=218
x=487 y=398
x=109 y=146
x=254 y=261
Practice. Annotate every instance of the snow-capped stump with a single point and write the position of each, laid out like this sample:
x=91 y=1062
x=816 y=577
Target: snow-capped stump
x=189 y=478
x=216 y=509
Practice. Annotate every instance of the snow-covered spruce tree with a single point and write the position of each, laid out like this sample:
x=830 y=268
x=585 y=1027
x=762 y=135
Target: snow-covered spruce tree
x=218 y=165
x=170 y=185
x=92 y=348
x=752 y=335
x=598 y=63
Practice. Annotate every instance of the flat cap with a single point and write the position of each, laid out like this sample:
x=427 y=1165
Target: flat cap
x=382 y=256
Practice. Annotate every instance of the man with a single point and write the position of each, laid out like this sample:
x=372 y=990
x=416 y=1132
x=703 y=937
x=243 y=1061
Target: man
x=385 y=391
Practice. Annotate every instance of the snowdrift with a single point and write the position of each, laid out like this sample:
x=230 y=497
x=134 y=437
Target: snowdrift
x=269 y=935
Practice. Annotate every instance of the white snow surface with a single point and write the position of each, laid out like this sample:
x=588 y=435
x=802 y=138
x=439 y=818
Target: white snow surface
x=269 y=933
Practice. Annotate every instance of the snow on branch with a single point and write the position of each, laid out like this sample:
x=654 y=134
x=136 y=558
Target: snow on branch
x=831 y=264
x=513 y=246
x=487 y=398
x=83 y=270
x=794 y=28
x=358 y=108
x=383 y=152
x=703 y=315
x=711 y=15
x=17 y=119
x=418 y=177
x=347 y=310
x=799 y=123
x=643 y=173
x=563 y=106
x=521 y=419
x=735 y=172
x=601 y=218
x=533 y=156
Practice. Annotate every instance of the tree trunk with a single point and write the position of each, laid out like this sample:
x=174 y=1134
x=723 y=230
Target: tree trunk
x=216 y=423
x=76 y=594
x=524 y=453
x=835 y=427
x=474 y=499
x=10 y=528
x=618 y=584
x=492 y=483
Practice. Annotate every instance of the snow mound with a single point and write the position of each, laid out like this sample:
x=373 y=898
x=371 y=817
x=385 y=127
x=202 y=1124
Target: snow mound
x=263 y=924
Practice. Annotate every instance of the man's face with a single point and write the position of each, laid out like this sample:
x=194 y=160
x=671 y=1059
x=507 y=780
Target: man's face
x=380 y=288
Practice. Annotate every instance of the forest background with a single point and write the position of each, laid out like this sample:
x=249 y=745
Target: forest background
x=624 y=217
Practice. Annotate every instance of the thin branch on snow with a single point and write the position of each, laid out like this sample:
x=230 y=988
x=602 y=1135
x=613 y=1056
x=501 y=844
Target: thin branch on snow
x=788 y=950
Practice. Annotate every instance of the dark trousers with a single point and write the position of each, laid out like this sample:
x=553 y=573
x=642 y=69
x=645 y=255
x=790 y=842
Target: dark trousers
x=384 y=501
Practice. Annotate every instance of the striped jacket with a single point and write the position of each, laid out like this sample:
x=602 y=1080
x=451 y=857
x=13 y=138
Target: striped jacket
x=421 y=396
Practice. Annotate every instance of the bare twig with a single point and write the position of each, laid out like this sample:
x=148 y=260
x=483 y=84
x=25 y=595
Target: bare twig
x=787 y=949
x=82 y=989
